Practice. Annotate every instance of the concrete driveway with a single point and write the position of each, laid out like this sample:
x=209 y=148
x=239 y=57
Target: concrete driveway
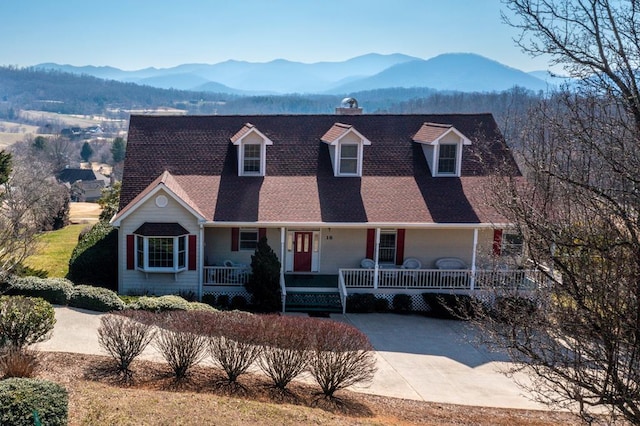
x=418 y=358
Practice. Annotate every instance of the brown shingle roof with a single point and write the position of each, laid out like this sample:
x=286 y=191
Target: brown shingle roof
x=299 y=186
x=429 y=132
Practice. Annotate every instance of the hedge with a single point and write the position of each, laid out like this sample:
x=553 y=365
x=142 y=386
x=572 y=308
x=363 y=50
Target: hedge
x=53 y=290
x=449 y=306
x=95 y=299
x=20 y=398
x=167 y=303
x=95 y=259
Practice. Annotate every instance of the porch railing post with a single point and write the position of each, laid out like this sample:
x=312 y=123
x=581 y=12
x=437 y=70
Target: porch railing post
x=376 y=258
x=472 y=282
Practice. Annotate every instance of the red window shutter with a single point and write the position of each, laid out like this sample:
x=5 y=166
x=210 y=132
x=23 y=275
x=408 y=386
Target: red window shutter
x=371 y=243
x=131 y=251
x=497 y=242
x=262 y=233
x=193 y=250
x=235 y=239
x=400 y=246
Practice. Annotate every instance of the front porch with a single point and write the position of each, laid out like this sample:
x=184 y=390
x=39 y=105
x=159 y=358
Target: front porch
x=329 y=292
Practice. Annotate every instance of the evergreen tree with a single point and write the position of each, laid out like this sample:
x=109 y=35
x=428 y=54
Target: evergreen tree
x=5 y=167
x=86 y=151
x=118 y=149
x=264 y=281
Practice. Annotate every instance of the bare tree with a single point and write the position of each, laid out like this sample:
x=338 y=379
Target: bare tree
x=579 y=209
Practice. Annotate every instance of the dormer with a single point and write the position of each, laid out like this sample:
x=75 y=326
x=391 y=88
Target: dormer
x=252 y=152
x=346 y=149
x=442 y=147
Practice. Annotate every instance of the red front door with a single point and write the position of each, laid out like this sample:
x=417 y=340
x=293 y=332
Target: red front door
x=303 y=242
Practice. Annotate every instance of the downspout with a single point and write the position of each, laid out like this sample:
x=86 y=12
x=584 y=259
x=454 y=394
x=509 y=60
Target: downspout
x=201 y=262
x=376 y=258
x=473 y=259
x=283 y=287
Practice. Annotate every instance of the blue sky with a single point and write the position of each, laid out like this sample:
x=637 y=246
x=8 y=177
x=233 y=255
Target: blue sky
x=134 y=34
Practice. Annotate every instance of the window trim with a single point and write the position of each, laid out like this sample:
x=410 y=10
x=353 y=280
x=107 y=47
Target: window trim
x=260 y=158
x=455 y=158
x=393 y=232
x=240 y=240
x=176 y=256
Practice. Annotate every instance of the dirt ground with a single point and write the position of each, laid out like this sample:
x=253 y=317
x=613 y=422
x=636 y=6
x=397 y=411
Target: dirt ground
x=84 y=212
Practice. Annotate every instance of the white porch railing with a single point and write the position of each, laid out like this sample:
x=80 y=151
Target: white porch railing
x=440 y=279
x=226 y=275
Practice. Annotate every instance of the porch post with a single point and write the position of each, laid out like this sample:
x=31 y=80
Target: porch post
x=473 y=259
x=376 y=256
x=282 y=253
x=201 y=261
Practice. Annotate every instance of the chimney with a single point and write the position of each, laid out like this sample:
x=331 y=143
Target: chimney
x=349 y=106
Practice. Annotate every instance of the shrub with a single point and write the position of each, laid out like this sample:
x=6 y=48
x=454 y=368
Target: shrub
x=95 y=298
x=342 y=356
x=223 y=302
x=264 y=281
x=178 y=344
x=20 y=398
x=402 y=303
x=188 y=295
x=125 y=337
x=22 y=270
x=285 y=353
x=24 y=320
x=18 y=362
x=160 y=303
x=449 y=306
x=95 y=259
x=209 y=299
x=234 y=341
x=361 y=303
x=238 y=303
x=53 y=290
x=381 y=304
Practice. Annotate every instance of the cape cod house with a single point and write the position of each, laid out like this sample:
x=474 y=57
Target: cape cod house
x=349 y=202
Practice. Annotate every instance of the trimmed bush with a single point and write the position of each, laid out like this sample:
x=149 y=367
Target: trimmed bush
x=235 y=341
x=95 y=259
x=124 y=337
x=342 y=356
x=381 y=304
x=95 y=299
x=178 y=342
x=402 y=303
x=449 y=306
x=209 y=299
x=362 y=303
x=18 y=362
x=53 y=290
x=238 y=303
x=223 y=302
x=25 y=320
x=285 y=353
x=160 y=303
x=264 y=281
x=21 y=398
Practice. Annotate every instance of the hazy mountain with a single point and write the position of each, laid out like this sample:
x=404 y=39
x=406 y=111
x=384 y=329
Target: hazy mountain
x=463 y=72
x=456 y=71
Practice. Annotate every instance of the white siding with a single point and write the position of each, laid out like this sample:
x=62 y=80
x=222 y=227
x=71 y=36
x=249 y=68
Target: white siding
x=137 y=282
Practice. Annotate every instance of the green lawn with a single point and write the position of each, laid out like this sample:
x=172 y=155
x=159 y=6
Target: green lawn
x=55 y=249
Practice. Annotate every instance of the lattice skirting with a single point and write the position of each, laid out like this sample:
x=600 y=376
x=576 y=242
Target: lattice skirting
x=230 y=293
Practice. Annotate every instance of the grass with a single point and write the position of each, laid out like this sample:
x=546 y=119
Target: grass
x=54 y=251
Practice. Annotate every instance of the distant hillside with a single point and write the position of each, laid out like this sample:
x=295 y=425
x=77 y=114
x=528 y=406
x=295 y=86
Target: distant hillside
x=463 y=72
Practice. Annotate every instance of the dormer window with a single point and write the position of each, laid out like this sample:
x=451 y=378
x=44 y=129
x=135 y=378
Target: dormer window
x=442 y=147
x=252 y=153
x=346 y=149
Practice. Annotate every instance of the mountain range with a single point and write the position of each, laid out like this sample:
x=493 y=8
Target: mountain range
x=465 y=72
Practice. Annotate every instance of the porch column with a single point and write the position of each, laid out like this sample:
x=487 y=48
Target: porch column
x=473 y=259
x=376 y=256
x=282 y=252
x=201 y=261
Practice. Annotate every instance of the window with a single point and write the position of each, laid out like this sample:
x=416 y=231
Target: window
x=447 y=159
x=348 y=159
x=512 y=245
x=387 y=251
x=161 y=254
x=252 y=159
x=248 y=239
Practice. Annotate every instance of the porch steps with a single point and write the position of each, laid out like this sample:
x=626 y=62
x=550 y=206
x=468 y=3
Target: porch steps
x=312 y=293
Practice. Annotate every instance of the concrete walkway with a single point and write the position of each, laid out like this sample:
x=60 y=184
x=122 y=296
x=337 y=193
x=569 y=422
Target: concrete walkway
x=418 y=358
